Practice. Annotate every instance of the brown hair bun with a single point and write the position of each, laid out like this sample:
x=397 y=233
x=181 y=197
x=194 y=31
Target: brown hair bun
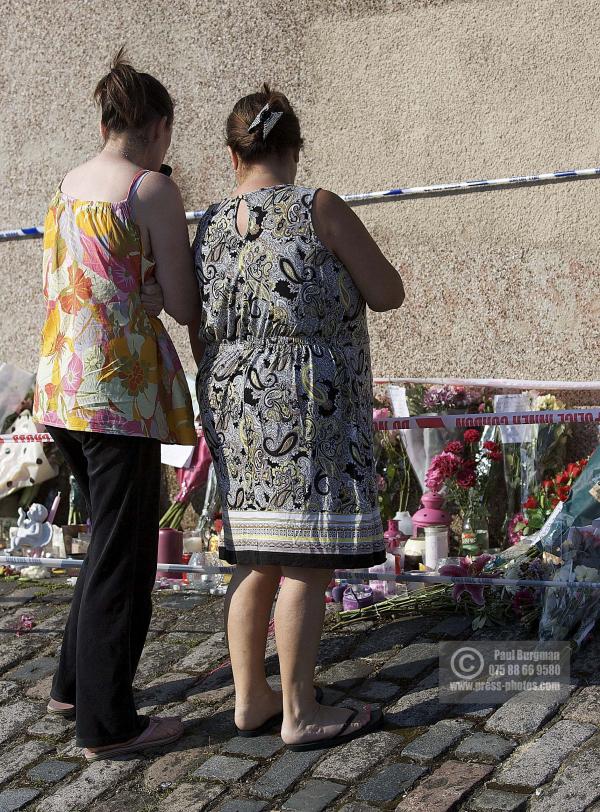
x=130 y=100
x=283 y=134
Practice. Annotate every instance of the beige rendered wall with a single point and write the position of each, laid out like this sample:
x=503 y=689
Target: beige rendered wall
x=390 y=93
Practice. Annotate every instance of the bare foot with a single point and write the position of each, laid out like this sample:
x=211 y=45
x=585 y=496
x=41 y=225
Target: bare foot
x=249 y=716
x=326 y=723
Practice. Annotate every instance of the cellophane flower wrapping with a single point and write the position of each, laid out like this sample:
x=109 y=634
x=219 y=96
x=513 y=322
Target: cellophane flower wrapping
x=572 y=540
x=573 y=612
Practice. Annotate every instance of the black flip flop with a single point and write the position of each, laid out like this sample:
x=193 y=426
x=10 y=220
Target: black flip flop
x=277 y=718
x=374 y=723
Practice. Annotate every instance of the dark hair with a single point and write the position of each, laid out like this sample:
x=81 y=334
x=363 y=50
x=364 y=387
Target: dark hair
x=129 y=100
x=252 y=146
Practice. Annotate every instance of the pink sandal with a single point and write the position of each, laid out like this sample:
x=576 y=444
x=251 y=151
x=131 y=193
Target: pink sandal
x=160 y=731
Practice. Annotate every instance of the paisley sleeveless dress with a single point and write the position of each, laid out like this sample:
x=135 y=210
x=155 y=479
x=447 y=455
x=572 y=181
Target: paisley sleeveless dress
x=285 y=388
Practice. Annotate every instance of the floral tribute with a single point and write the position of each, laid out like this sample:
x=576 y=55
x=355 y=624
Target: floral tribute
x=538 y=507
x=463 y=467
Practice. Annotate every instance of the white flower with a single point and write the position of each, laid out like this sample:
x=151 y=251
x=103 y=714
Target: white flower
x=585 y=573
x=35 y=573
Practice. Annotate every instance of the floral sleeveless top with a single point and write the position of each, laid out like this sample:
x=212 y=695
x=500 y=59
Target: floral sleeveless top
x=105 y=365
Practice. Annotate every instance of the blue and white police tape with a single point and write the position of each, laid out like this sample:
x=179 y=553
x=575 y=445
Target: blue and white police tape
x=363 y=198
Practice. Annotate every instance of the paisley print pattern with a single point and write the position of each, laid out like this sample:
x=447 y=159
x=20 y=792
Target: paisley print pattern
x=105 y=365
x=285 y=388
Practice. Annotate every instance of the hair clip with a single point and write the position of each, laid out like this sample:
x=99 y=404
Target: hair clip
x=268 y=118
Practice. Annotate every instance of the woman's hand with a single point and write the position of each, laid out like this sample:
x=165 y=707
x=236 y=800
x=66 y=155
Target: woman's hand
x=152 y=298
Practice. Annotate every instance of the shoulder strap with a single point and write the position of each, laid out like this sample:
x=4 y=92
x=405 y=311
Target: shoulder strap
x=137 y=179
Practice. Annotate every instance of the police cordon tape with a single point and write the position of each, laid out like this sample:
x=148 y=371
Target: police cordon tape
x=437 y=421
x=352 y=576
x=400 y=193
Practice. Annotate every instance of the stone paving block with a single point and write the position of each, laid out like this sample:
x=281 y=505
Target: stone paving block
x=15 y=716
x=348 y=673
x=334 y=647
x=41 y=689
x=314 y=796
x=20 y=757
x=33 y=670
x=204 y=655
x=93 y=781
x=216 y=696
x=13 y=651
x=357 y=806
x=439 y=738
x=242 y=805
x=376 y=690
x=157 y=659
x=284 y=772
x=225 y=768
x=257 y=746
x=410 y=662
x=164 y=690
x=18 y=598
x=125 y=800
x=485 y=747
x=534 y=763
x=495 y=800
x=191 y=797
x=444 y=788
x=51 y=727
x=349 y=761
x=575 y=786
x=52 y=771
x=13 y=799
x=417 y=709
x=380 y=641
x=585 y=706
x=522 y=715
x=7 y=689
x=169 y=768
x=451 y=627
x=390 y=782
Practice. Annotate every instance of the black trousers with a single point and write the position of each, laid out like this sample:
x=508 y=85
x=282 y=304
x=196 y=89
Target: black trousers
x=112 y=603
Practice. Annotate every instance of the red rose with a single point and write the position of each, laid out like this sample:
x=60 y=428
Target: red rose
x=531 y=503
x=466 y=477
x=454 y=447
x=471 y=436
x=563 y=493
x=561 y=478
x=554 y=502
x=495 y=456
x=491 y=446
x=547 y=484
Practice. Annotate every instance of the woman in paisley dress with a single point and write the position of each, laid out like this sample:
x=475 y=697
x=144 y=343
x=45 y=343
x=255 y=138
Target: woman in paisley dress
x=285 y=393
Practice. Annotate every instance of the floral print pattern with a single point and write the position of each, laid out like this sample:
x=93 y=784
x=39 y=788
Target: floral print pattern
x=285 y=388
x=105 y=365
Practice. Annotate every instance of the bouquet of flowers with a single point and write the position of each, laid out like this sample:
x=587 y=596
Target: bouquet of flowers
x=540 y=504
x=190 y=480
x=446 y=398
x=574 y=612
x=463 y=468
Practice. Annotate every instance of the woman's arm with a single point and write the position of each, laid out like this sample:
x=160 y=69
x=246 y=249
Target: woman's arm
x=344 y=234
x=159 y=212
x=195 y=343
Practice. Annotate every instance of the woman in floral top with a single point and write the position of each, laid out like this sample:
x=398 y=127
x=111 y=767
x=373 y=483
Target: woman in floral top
x=110 y=389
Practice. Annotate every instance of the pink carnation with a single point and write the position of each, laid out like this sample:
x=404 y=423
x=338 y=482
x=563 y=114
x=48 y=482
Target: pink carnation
x=443 y=466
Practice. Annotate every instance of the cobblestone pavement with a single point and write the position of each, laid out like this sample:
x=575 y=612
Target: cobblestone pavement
x=430 y=756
